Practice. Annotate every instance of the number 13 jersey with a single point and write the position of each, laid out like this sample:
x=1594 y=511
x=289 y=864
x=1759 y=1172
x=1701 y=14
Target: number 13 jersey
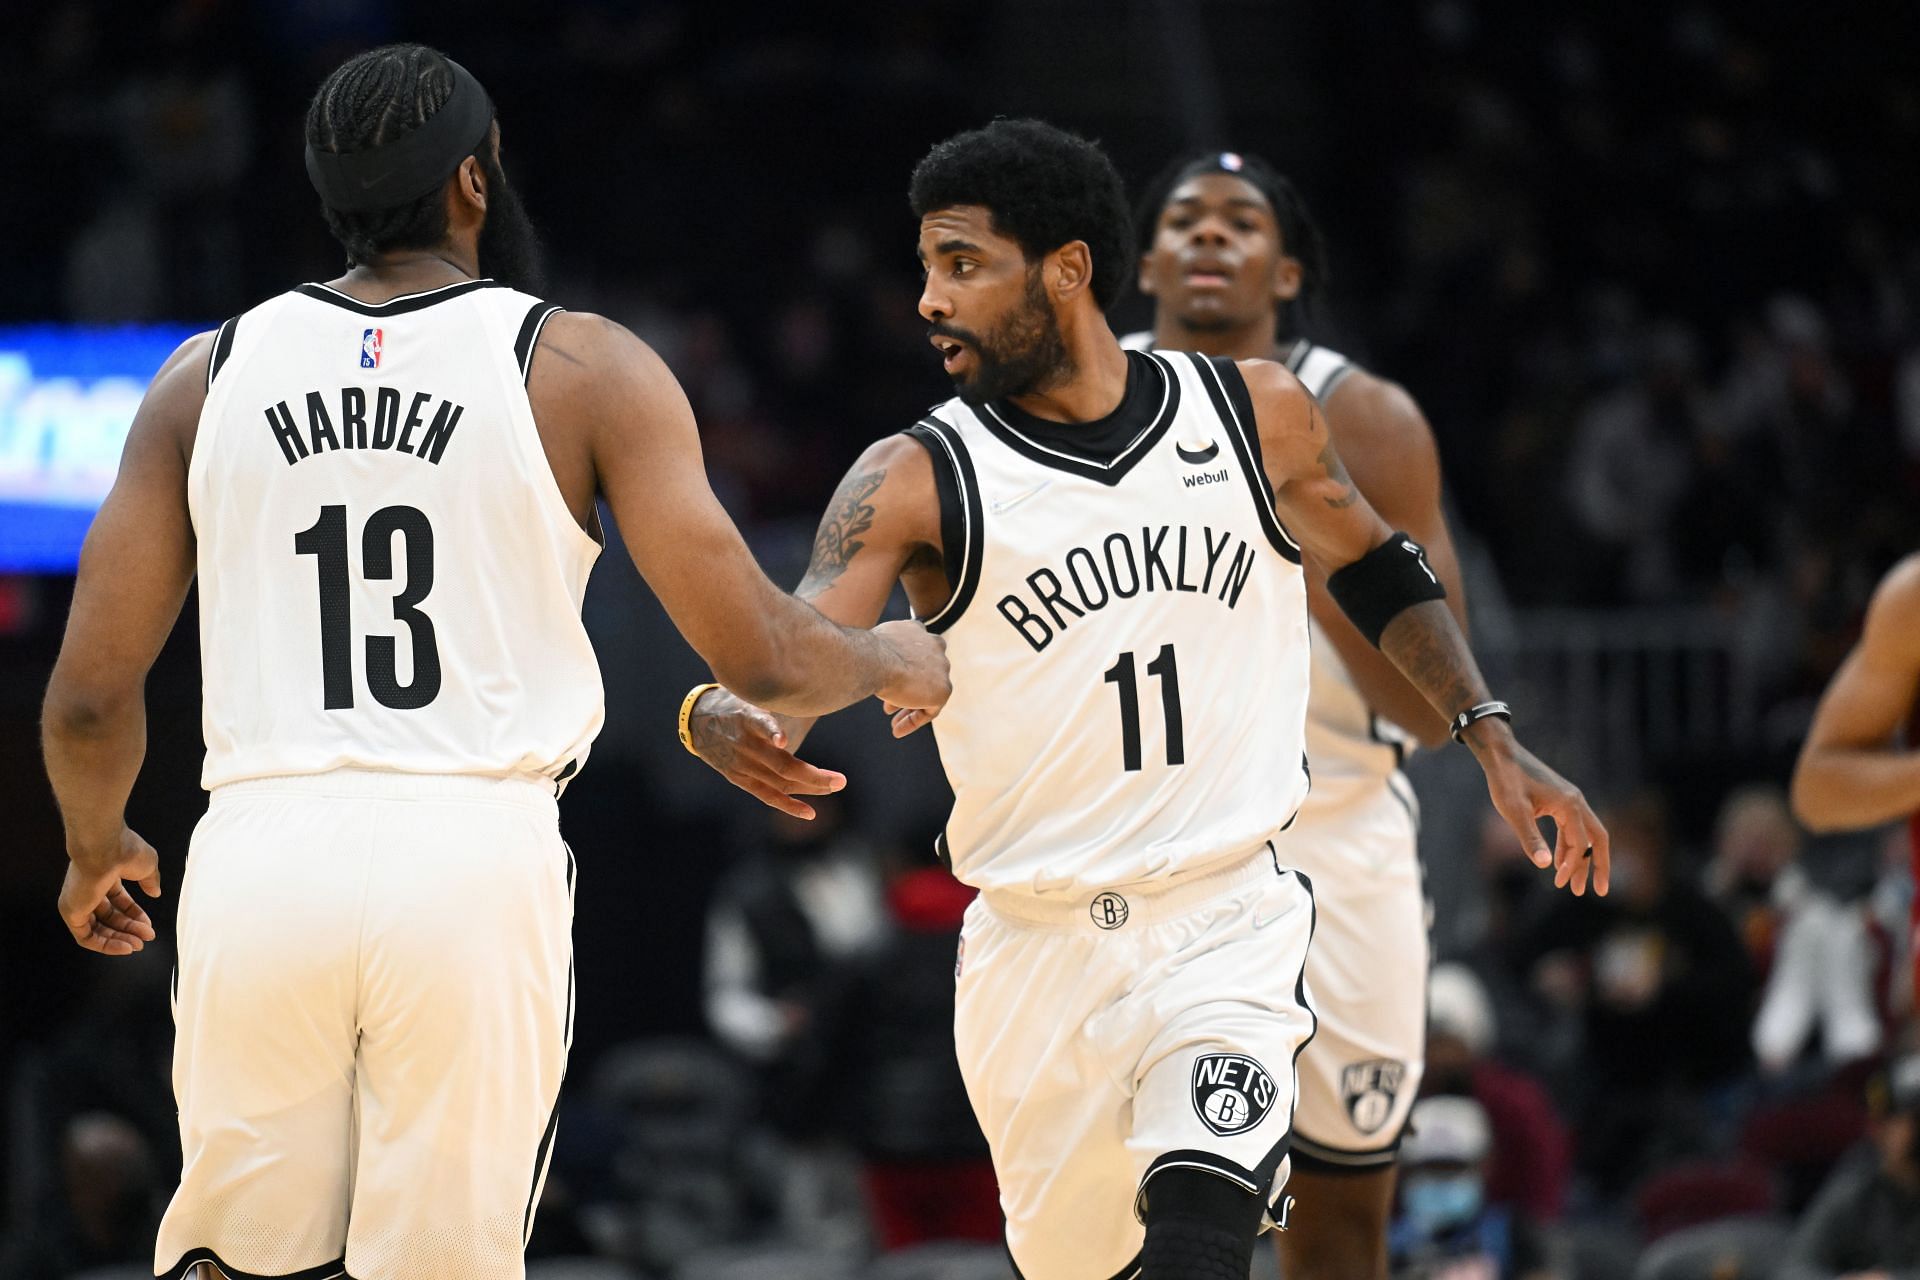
x=1128 y=634
x=389 y=576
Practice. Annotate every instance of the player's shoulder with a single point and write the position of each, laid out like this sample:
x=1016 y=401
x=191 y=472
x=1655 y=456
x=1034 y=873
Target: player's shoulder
x=1895 y=609
x=1281 y=402
x=1367 y=411
x=582 y=353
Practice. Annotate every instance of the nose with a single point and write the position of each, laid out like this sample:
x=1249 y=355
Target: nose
x=934 y=303
x=1207 y=230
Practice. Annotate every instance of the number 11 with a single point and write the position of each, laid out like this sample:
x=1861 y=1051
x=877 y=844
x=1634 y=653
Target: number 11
x=1121 y=673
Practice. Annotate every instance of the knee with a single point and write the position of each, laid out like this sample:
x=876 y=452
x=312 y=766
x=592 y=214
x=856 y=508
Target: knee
x=1199 y=1227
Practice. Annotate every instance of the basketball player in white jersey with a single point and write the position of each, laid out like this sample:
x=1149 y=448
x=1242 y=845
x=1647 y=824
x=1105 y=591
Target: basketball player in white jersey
x=1111 y=543
x=385 y=486
x=1231 y=255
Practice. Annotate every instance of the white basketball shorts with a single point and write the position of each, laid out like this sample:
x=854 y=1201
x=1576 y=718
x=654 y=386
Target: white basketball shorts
x=1109 y=1037
x=1368 y=972
x=372 y=1012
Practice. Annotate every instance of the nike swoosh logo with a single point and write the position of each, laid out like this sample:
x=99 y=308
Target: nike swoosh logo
x=1207 y=454
x=1018 y=498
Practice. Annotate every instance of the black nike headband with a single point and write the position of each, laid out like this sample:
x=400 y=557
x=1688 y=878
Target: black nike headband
x=411 y=165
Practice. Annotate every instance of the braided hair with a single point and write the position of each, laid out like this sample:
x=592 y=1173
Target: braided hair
x=371 y=99
x=1300 y=236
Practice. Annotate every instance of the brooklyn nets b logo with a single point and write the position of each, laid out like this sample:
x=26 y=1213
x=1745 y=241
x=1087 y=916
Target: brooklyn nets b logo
x=1109 y=910
x=1231 y=1092
x=1370 y=1088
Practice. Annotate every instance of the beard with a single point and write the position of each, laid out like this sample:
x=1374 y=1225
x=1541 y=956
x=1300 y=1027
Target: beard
x=1024 y=353
x=510 y=249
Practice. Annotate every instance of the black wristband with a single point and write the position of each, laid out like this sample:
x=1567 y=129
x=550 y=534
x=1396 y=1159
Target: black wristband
x=1380 y=585
x=1478 y=711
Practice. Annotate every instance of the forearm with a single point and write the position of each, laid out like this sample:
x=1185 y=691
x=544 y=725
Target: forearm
x=1839 y=788
x=813 y=664
x=93 y=752
x=1426 y=645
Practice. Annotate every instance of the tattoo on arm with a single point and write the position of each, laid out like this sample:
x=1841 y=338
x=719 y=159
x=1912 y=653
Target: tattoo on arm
x=838 y=541
x=1335 y=469
x=1426 y=644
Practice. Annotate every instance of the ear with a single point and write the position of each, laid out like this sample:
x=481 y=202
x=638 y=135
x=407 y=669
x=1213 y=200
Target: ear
x=470 y=185
x=1146 y=273
x=1069 y=270
x=1287 y=279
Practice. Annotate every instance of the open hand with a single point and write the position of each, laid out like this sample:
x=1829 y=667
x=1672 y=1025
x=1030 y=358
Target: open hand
x=95 y=904
x=747 y=747
x=1524 y=791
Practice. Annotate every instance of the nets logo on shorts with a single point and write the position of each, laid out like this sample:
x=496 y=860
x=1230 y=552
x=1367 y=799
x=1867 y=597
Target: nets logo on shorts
x=1109 y=910
x=1231 y=1092
x=372 y=342
x=1370 y=1088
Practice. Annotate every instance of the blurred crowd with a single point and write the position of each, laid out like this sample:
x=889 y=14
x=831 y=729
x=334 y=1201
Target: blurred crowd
x=1651 y=274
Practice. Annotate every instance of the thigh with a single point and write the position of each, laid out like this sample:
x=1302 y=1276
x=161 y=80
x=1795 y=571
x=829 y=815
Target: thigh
x=1224 y=1018
x=1337 y=1225
x=1368 y=975
x=466 y=1019
x=1054 y=1116
x=264 y=998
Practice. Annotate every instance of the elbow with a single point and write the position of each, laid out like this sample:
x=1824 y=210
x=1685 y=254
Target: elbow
x=1809 y=800
x=763 y=678
x=70 y=712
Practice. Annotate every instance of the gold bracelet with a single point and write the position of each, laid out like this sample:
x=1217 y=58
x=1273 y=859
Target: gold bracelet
x=686 y=714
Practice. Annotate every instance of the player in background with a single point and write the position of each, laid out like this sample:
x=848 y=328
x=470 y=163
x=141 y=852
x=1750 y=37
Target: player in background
x=1860 y=766
x=385 y=485
x=1230 y=257
x=1110 y=542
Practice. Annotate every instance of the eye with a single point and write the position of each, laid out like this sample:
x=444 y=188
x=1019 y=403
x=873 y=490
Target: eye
x=1179 y=224
x=962 y=267
x=1245 y=225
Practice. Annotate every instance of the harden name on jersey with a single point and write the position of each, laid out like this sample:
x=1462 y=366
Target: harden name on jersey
x=390 y=429
x=1169 y=559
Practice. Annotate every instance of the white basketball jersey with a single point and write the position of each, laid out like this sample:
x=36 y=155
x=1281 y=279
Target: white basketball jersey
x=389 y=575
x=1128 y=636
x=1348 y=742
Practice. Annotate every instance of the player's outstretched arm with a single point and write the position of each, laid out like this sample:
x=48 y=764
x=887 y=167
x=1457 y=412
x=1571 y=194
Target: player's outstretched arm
x=881 y=526
x=612 y=390
x=1390 y=453
x=1851 y=772
x=134 y=571
x=1384 y=584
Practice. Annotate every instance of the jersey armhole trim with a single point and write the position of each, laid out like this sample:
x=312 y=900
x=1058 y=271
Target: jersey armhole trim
x=1231 y=400
x=222 y=348
x=962 y=536
x=529 y=338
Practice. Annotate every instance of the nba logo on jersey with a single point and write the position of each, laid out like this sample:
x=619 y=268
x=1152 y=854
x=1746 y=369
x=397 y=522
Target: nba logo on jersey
x=370 y=343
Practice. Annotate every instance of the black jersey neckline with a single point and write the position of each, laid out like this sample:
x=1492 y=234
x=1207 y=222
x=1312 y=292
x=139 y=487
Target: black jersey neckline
x=1104 y=449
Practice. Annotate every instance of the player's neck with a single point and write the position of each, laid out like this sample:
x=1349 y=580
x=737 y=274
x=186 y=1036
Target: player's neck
x=409 y=271
x=1248 y=342
x=1093 y=390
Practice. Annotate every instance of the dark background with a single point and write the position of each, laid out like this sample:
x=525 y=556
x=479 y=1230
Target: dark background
x=1650 y=270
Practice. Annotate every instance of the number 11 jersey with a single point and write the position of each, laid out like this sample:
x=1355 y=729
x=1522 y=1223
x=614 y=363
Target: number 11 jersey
x=389 y=576
x=1128 y=634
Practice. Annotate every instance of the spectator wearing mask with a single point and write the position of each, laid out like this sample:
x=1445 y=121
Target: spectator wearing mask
x=1530 y=1154
x=1865 y=1224
x=1446 y=1228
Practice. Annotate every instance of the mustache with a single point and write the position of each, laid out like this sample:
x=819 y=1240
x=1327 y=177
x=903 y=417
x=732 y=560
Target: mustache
x=940 y=329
